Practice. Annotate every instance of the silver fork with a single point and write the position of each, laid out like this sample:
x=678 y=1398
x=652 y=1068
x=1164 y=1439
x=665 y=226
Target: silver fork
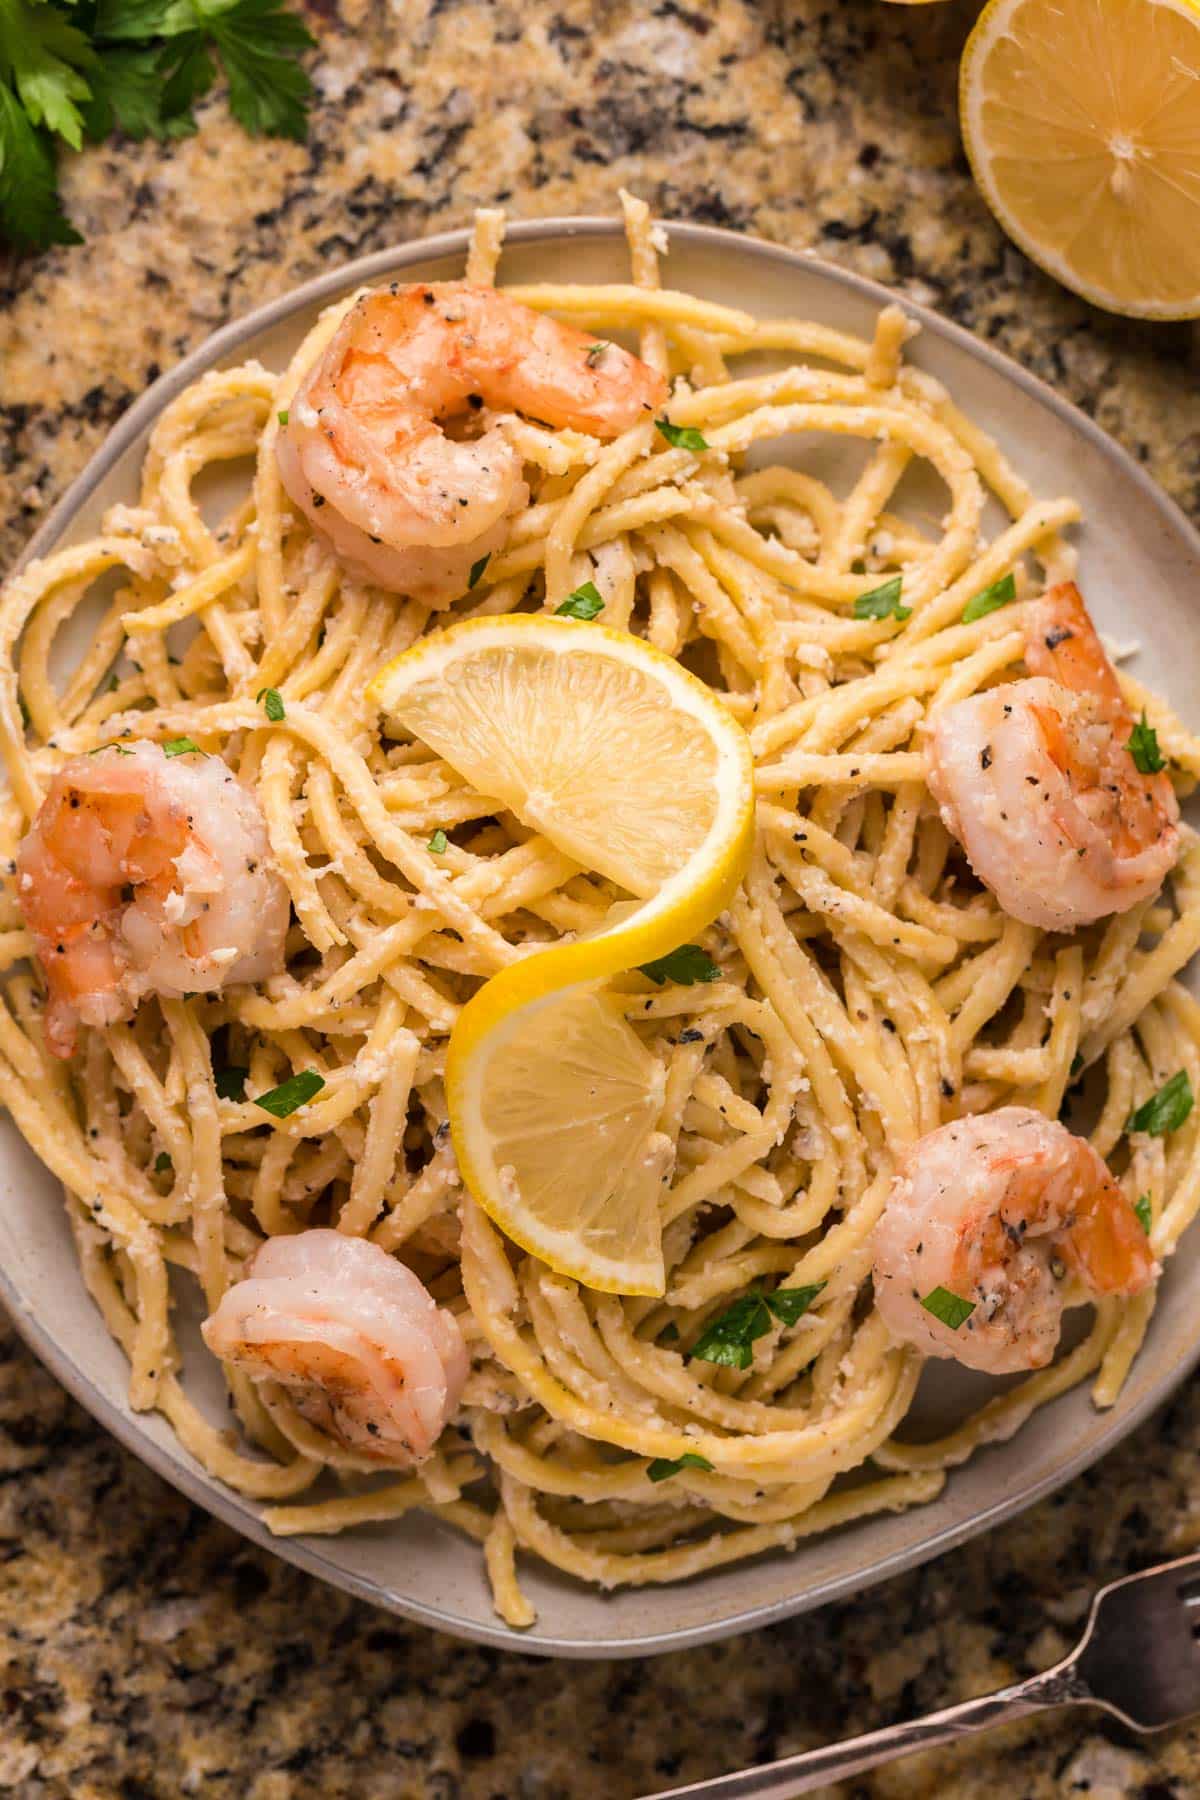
x=1139 y=1659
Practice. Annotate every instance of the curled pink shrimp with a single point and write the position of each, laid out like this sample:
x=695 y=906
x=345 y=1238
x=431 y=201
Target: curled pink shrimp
x=404 y=502
x=1037 y=781
x=993 y=1211
x=144 y=873
x=361 y=1347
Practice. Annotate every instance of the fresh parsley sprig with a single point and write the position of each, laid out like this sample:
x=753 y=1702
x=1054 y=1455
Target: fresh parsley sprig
x=75 y=71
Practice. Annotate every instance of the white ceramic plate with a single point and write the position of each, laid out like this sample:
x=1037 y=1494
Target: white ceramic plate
x=1140 y=562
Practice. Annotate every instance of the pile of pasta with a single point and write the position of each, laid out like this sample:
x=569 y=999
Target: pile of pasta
x=869 y=988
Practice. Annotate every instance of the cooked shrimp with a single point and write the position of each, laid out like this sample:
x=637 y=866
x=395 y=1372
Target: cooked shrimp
x=401 y=502
x=144 y=873
x=1036 y=780
x=362 y=1348
x=995 y=1210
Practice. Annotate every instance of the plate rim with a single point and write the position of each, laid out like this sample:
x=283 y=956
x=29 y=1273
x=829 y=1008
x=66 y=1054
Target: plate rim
x=204 y=1490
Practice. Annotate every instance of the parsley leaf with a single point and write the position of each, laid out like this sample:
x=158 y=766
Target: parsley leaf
x=791 y=1304
x=189 y=73
x=29 y=209
x=730 y=1338
x=990 y=598
x=683 y=437
x=273 y=705
x=477 y=569
x=230 y=1082
x=283 y=416
x=1166 y=1110
x=596 y=352
x=138 y=20
x=45 y=58
x=181 y=747
x=950 y=1308
x=883 y=602
x=663 y=1467
x=127 y=90
x=296 y=1091
x=684 y=966
x=437 y=843
x=584 y=603
x=268 y=90
x=1143 y=747
x=1141 y=1207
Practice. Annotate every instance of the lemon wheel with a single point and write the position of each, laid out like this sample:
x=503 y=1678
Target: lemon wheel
x=1081 y=119
x=634 y=769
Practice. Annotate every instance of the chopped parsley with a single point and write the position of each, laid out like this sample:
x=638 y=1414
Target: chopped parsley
x=163 y=1164
x=684 y=966
x=477 y=568
x=437 y=843
x=272 y=703
x=1143 y=747
x=950 y=1308
x=596 y=352
x=683 y=437
x=663 y=1467
x=282 y=416
x=1141 y=1207
x=181 y=747
x=883 y=602
x=584 y=603
x=230 y=1082
x=730 y=1338
x=790 y=1304
x=990 y=598
x=295 y=1092
x=1166 y=1110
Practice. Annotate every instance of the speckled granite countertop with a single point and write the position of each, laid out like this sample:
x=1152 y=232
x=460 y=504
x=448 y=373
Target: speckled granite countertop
x=146 y=1652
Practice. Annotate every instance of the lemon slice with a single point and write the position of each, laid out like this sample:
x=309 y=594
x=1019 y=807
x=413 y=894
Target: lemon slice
x=633 y=768
x=1082 y=122
x=554 y=1114
x=605 y=746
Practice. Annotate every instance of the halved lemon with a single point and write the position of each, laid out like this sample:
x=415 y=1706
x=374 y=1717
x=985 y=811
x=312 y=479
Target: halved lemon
x=635 y=769
x=1082 y=122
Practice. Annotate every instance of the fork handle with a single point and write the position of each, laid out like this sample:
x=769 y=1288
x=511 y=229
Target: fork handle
x=811 y=1769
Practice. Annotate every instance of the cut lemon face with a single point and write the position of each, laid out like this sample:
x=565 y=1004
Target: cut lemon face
x=554 y=1112
x=608 y=748
x=634 y=769
x=1082 y=122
